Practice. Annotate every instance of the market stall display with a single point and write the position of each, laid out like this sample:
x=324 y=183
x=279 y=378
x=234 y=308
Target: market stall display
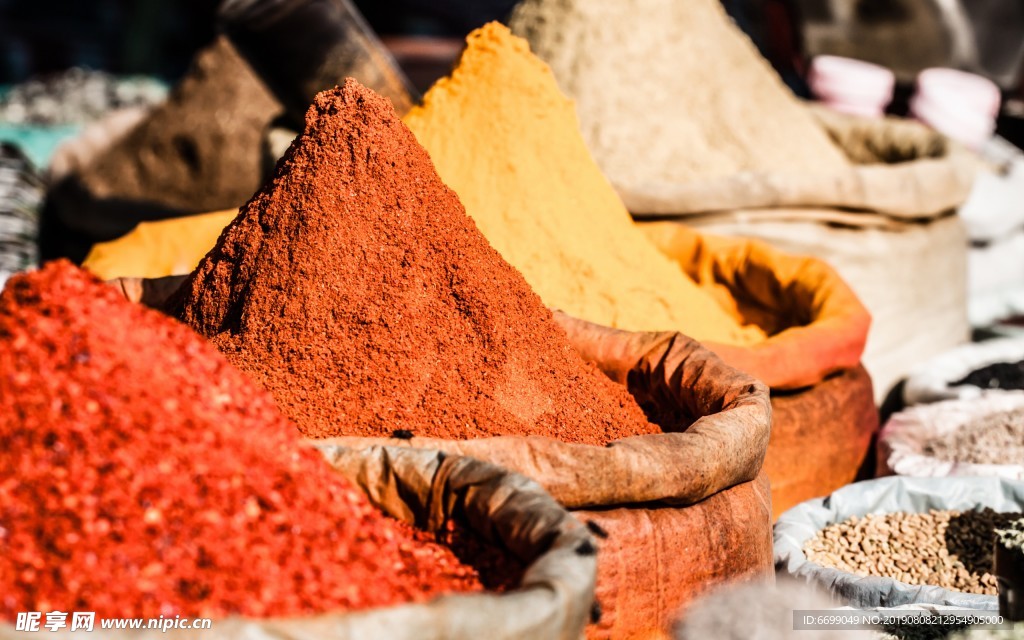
x=249 y=530
x=897 y=541
x=794 y=178
x=787 y=320
x=970 y=437
x=556 y=219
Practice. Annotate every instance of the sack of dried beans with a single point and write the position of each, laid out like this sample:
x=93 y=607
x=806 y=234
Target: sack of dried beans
x=897 y=541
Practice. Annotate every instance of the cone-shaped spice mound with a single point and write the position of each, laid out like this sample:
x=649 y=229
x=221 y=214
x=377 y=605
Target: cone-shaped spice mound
x=504 y=137
x=142 y=475
x=355 y=288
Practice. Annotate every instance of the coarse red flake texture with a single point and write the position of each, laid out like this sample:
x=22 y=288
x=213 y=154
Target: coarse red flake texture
x=141 y=474
x=355 y=288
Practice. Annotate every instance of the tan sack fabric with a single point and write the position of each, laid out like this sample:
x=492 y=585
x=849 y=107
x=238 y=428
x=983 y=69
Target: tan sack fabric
x=902 y=169
x=724 y=446
x=427 y=488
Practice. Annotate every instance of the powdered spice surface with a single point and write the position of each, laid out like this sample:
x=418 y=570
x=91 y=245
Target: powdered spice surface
x=357 y=291
x=142 y=475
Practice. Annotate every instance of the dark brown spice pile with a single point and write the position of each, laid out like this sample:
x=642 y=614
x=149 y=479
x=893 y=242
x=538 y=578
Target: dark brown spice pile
x=199 y=152
x=355 y=288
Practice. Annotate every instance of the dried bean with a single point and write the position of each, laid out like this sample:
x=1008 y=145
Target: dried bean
x=950 y=549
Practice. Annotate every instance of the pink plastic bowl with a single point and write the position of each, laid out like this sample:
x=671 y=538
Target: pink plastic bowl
x=961 y=105
x=978 y=93
x=851 y=85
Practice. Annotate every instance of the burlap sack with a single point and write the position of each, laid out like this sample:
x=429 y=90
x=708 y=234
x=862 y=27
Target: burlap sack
x=657 y=560
x=911 y=277
x=901 y=169
x=932 y=381
x=822 y=438
x=426 y=488
x=657 y=557
x=815 y=323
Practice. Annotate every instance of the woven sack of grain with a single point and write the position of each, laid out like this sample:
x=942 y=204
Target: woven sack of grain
x=944 y=376
x=903 y=445
x=887 y=495
x=690 y=508
x=885 y=225
x=426 y=488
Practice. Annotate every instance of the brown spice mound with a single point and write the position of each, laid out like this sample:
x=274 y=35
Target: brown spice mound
x=142 y=475
x=355 y=289
x=201 y=151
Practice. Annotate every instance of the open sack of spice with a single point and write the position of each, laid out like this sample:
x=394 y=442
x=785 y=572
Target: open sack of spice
x=968 y=372
x=170 y=485
x=355 y=289
x=897 y=541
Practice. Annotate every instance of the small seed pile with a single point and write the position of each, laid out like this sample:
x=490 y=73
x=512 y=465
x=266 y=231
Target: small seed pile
x=999 y=375
x=997 y=438
x=950 y=549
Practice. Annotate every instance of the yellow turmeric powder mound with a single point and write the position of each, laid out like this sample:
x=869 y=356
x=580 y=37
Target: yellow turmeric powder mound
x=504 y=137
x=157 y=249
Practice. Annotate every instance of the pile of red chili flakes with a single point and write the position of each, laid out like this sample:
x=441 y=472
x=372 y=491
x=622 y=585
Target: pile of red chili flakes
x=142 y=475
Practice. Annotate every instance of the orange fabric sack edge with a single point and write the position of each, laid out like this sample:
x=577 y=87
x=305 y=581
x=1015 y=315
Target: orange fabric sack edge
x=816 y=324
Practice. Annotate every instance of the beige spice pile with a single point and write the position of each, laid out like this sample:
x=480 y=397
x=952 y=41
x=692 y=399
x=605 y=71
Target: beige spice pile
x=671 y=91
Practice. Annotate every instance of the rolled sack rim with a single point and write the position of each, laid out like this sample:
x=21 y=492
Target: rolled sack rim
x=901 y=190
x=725 y=446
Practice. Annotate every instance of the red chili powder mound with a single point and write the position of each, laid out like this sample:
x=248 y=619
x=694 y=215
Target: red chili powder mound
x=142 y=475
x=355 y=288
